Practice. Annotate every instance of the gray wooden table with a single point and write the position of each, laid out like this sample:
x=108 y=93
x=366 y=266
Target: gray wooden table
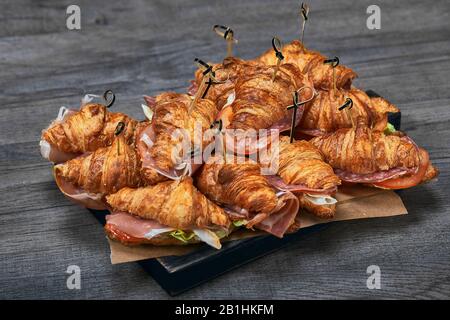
x=144 y=47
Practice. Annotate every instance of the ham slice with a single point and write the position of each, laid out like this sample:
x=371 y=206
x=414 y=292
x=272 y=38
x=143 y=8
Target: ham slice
x=247 y=143
x=380 y=175
x=192 y=89
x=235 y=212
x=278 y=183
x=132 y=229
x=78 y=195
x=299 y=132
x=135 y=226
x=372 y=177
x=278 y=222
x=150 y=101
x=53 y=154
x=285 y=124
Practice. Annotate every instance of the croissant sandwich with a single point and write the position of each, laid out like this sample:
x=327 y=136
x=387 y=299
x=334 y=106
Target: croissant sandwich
x=300 y=168
x=311 y=63
x=322 y=115
x=169 y=213
x=247 y=196
x=362 y=155
x=176 y=132
x=259 y=101
x=75 y=132
x=86 y=179
x=226 y=75
x=248 y=95
x=257 y=98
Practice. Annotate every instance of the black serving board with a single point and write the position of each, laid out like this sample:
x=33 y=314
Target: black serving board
x=177 y=274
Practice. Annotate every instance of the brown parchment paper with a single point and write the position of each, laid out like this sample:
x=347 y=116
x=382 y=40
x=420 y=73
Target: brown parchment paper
x=356 y=202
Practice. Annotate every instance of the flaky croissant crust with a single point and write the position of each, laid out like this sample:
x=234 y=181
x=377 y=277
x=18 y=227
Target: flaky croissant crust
x=172 y=113
x=226 y=74
x=237 y=185
x=323 y=112
x=312 y=63
x=361 y=150
x=260 y=100
x=301 y=163
x=88 y=129
x=177 y=204
x=105 y=170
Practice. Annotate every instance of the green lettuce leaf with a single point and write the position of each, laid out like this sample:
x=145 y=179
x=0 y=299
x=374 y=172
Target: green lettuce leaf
x=182 y=235
x=389 y=129
x=221 y=233
x=239 y=223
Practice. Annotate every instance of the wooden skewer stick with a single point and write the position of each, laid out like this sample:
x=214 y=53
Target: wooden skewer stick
x=333 y=63
x=228 y=35
x=119 y=129
x=209 y=83
x=348 y=104
x=304 y=12
x=295 y=105
x=208 y=75
x=207 y=80
x=277 y=46
x=294 y=115
x=222 y=137
x=212 y=81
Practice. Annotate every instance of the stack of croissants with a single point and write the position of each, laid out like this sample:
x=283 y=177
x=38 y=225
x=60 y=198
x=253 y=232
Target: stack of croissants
x=107 y=160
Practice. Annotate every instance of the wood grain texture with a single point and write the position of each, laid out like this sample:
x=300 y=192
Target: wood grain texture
x=144 y=47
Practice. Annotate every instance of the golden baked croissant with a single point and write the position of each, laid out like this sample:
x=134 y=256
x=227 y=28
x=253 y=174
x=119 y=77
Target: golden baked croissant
x=76 y=132
x=171 y=212
x=174 y=125
x=322 y=115
x=362 y=155
x=226 y=75
x=259 y=102
x=302 y=164
x=87 y=178
x=302 y=170
x=247 y=195
x=311 y=63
